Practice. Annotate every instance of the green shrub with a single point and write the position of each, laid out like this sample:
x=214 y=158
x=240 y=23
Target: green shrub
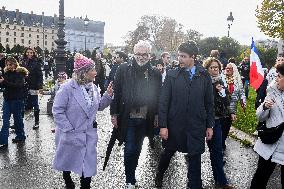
x=246 y=121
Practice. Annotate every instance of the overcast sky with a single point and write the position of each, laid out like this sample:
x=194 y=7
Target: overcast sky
x=120 y=16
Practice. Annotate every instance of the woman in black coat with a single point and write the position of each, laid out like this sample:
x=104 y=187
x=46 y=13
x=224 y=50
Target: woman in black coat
x=221 y=105
x=34 y=82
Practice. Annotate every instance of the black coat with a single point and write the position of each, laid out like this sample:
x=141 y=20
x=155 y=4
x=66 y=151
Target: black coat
x=187 y=109
x=35 y=77
x=123 y=94
x=13 y=84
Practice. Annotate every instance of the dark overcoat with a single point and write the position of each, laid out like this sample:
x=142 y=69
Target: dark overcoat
x=123 y=94
x=187 y=109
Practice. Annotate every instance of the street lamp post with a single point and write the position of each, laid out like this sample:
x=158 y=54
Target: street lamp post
x=60 y=53
x=230 y=21
x=86 y=23
x=43 y=49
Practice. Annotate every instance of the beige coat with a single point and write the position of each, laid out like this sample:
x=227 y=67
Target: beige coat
x=273 y=118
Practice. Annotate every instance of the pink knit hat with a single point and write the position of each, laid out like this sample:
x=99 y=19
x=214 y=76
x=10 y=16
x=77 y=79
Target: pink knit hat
x=82 y=63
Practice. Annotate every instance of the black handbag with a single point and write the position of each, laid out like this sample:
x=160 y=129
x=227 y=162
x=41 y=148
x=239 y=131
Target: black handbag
x=269 y=135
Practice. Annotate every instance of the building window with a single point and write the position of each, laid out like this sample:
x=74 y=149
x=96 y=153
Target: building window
x=30 y=42
x=7 y=33
x=37 y=30
x=22 y=40
x=45 y=43
x=22 y=34
x=45 y=36
x=52 y=31
x=7 y=40
x=30 y=29
x=37 y=36
x=15 y=33
x=15 y=27
x=15 y=40
x=30 y=35
x=22 y=28
x=7 y=26
x=37 y=42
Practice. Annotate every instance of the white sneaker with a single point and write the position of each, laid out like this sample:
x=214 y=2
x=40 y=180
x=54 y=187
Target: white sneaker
x=129 y=186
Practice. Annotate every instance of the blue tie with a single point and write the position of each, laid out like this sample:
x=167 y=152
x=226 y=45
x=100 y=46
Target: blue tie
x=189 y=75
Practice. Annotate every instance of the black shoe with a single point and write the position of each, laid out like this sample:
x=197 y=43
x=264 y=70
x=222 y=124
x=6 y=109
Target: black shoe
x=159 y=180
x=70 y=186
x=3 y=146
x=36 y=126
x=17 y=140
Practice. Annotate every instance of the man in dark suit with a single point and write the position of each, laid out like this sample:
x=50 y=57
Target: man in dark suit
x=186 y=114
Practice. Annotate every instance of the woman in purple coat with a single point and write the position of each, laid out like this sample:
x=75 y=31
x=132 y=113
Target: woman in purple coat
x=75 y=106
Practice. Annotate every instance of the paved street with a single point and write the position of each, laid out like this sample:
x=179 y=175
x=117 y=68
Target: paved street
x=28 y=166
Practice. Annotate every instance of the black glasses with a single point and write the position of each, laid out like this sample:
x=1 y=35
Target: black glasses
x=144 y=55
x=214 y=67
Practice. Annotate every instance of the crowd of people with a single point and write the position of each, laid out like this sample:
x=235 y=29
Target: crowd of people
x=188 y=102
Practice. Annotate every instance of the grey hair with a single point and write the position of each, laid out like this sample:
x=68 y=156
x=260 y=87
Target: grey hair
x=142 y=44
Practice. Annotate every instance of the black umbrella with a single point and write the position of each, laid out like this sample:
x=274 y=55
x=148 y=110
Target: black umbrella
x=110 y=145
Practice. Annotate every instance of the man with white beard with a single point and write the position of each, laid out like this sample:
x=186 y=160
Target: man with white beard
x=134 y=108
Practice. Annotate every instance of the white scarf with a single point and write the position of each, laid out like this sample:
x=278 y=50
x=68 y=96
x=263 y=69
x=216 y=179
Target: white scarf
x=88 y=96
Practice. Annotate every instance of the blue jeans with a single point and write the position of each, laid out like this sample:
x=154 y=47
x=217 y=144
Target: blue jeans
x=216 y=154
x=135 y=134
x=14 y=107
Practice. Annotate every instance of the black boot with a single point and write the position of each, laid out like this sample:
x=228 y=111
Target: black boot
x=85 y=182
x=159 y=180
x=69 y=184
x=36 y=114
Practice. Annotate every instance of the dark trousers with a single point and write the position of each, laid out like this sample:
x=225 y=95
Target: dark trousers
x=32 y=102
x=194 y=168
x=226 y=124
x=14 y=107
x=263 y=172
x=246 y=87
x=135 y=134
x=216 y=155
x=84 y=181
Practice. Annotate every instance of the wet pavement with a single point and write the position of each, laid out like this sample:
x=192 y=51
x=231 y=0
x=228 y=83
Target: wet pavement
x=28 y=166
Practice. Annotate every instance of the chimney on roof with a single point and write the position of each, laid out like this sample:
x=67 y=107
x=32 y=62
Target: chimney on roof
x=32 y=12
x=17 y=14
x=3 y=8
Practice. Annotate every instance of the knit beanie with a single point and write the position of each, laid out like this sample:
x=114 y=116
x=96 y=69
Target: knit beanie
x=82 y=63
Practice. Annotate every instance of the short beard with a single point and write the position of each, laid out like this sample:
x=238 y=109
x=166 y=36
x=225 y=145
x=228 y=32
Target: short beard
x=142 y=64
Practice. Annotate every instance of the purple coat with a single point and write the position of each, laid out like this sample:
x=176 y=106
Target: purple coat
x=75 y=137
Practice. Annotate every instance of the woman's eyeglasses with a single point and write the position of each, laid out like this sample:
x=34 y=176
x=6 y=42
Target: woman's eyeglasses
x=214 y=67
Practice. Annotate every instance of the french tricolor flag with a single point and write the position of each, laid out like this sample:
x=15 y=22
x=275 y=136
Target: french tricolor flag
x=256 y=72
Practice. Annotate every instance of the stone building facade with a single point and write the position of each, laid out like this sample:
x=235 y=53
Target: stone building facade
x=31 y=30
